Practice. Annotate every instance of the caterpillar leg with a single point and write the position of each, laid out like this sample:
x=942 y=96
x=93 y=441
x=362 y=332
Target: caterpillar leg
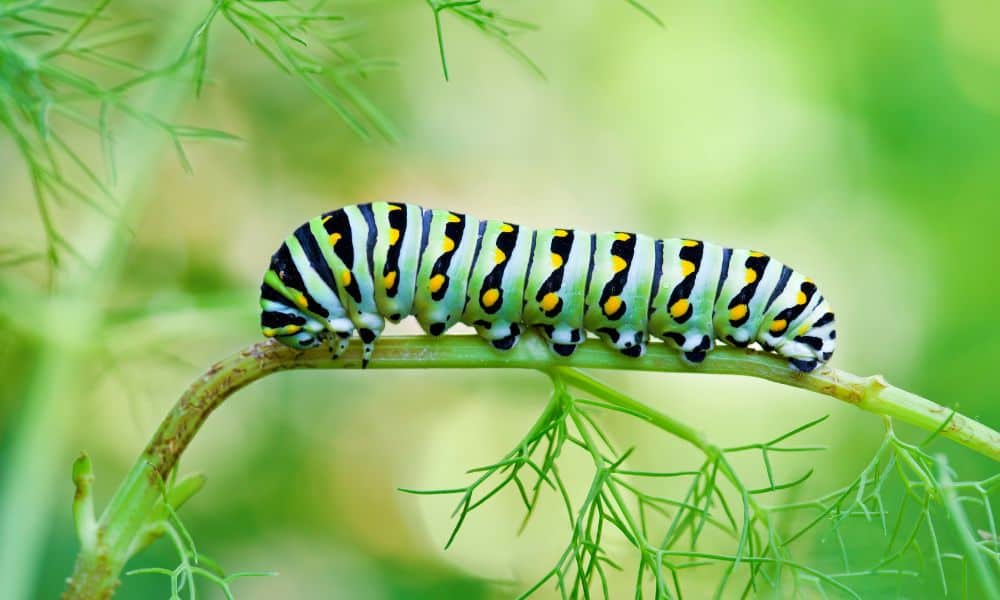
x=562 y=339
x=804 y=365
x=701 y=349
x=368 y=337
x=629 y=343
x=337 y=342
x=369 y=326
x=739 y=339
x=636 y=347
x=502 y=335
x=694 y=346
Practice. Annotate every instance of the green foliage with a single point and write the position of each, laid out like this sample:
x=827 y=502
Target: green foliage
x=500 y=28
x=61 y=68
x=166 y=522
x=769 y=542
x=162 y=521
x=492 y=23
x=308 y=44
x=192 y=564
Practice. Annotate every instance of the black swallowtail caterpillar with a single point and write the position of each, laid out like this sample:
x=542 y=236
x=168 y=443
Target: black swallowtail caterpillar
x=356 y=267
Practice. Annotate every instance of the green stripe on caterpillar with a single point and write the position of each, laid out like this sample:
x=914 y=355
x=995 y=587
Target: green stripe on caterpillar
x=353 y=269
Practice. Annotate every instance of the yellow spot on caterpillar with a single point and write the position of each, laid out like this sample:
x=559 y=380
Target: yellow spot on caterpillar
x=345 y=278
x=755 y=254
x=804 y=329
x=436 y=282
x=549 y=301
x=778 y=326
x=490 y=297
x=622 y=236
x=612 y=304
x=499 y=256
x=389 y=279
x=393 y=236
x=751 y=276
x=557 y=261
x=301 y=300
x=618 y=264
x=334 y=238
x=453 y=218
x=560 y=233
x=807 y=280
x=448 y=244
x=801 y=298
x=687 y=267
x=268 y=332
x=737 y=312
x=506 y=228
x=394 y=207
x=326 y=218
x=689 y=243
x=679 y=308
x=292 y=329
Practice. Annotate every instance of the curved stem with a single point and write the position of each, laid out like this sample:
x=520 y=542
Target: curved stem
x=97 y=568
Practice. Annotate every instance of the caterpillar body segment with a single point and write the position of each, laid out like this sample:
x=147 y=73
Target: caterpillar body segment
x=352 y=269
x=448 y=245
x=345 y=232
x=739 y=309
x=497 y=281
x=396 y=257
x=556 y=291
x=687 y=286
x=617 y=304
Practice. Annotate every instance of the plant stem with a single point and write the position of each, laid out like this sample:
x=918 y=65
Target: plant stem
x=97 y=569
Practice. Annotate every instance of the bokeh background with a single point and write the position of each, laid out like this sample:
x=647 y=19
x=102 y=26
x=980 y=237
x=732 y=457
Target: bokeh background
x=857 y=141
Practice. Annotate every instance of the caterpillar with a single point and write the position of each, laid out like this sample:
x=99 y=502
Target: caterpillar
x=357 y=267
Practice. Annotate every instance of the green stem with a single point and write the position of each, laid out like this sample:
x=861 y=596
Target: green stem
x=601 y=465
x=96 y=572
x=963 y=530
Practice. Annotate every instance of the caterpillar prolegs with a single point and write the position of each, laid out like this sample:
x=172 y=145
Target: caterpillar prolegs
x=356 y=267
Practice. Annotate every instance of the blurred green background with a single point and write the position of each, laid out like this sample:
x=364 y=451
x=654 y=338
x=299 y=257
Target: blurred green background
x=857 y=141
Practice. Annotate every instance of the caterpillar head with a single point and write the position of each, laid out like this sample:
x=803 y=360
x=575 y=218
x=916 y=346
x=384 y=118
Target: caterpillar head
x=813 y=342
x=289 y=325
x=301 y=341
